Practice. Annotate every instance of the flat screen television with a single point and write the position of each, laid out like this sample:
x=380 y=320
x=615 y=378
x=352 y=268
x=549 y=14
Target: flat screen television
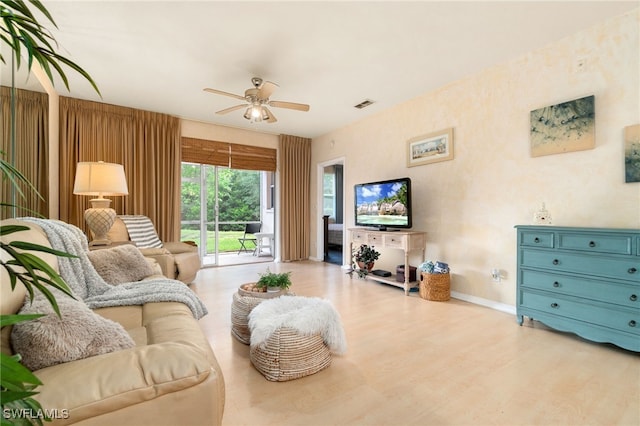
x=384 y=205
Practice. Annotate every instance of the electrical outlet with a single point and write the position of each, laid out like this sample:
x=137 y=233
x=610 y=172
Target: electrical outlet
x=495 y=275
x=581 y=65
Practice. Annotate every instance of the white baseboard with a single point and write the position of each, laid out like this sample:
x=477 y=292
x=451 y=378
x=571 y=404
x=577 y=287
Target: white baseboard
x=502 y=307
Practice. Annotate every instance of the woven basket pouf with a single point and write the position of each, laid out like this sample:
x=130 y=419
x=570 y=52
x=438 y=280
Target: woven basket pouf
x=288 y=355
x=293 y=337
x=242 y=305
x=240 y=309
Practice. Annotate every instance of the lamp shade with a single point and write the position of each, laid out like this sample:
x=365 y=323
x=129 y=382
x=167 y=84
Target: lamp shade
x=100 y=178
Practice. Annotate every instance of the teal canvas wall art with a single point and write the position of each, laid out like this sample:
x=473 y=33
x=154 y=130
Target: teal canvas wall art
x=632 y=153
x=565 y=127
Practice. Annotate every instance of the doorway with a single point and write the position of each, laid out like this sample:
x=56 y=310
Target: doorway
x=332 y=220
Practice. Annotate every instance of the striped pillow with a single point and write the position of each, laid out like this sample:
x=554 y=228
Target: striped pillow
x=141 y=231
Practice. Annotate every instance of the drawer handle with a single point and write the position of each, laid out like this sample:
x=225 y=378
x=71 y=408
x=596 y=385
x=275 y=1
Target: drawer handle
x=592 y=244
x=633 y=297
x=536 y=240
x=554 y=305
x=556 y=284
x=632 y=323
x=632 y=270
x=555 y=261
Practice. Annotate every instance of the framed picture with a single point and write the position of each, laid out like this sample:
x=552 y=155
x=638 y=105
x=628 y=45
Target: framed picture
x=430 y=148
x=632 y=153
x=566 y=127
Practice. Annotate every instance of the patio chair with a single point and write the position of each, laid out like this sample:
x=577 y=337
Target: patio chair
x=249 y=238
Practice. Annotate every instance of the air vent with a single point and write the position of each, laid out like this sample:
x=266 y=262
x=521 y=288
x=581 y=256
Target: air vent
x=364 y=104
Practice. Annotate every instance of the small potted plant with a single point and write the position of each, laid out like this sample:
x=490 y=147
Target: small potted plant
x=273 y=281
x=365 y=257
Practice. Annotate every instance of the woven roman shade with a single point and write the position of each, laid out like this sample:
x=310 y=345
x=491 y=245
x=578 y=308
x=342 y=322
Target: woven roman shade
x=232 y=155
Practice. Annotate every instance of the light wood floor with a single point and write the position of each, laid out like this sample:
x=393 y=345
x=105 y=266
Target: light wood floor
x=415 y=362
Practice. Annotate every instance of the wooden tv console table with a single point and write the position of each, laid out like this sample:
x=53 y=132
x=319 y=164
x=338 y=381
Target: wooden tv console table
x=402 y=240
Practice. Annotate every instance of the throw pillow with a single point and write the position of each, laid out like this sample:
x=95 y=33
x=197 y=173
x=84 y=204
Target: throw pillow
x=120 y=264
x=79 y=334
x=141 y=231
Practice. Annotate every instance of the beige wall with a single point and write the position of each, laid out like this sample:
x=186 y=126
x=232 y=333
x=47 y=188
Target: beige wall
x=200 y=130
x=54 y=139
x=468 y=206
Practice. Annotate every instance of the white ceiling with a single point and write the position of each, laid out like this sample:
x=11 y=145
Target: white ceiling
x=159 y=55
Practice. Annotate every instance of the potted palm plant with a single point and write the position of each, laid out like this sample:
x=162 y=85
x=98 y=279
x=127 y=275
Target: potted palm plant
x=25 y=36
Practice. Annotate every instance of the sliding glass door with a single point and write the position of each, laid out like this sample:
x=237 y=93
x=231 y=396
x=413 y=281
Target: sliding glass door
x=198 y=204
x=217 y=203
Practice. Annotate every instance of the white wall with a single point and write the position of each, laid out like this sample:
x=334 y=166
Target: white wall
x=468 y=206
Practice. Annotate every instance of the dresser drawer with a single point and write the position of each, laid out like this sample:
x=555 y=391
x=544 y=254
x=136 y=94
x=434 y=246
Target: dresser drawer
x=364 y=237
x=614 y=244
x=536 y=239
x=395 y=241
x=375 y=240
x=620 y=294
x=359 y=237
x=618 y=268
x=626 y=320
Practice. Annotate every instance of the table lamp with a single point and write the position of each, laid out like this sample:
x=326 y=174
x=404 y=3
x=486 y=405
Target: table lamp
x=100 y=178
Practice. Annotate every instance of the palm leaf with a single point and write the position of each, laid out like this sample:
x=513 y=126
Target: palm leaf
x=14 y=175
x=15 y=319
x=20 y=29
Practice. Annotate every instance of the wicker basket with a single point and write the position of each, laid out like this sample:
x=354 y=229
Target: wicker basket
x=436 y=287
x=261 y=294
x=288 y=354
x=240 y=310
x=243 y=303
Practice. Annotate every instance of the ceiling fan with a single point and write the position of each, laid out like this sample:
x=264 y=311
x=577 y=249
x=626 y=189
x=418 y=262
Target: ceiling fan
x=257 y=100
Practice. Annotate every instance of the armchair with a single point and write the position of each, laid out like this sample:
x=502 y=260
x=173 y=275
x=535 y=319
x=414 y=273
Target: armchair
x=178 y=260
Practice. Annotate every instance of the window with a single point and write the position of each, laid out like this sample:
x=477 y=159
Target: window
x=329 y=193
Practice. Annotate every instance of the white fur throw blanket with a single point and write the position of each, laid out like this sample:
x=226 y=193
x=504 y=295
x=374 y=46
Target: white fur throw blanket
x=307 y=315
x=87 y=285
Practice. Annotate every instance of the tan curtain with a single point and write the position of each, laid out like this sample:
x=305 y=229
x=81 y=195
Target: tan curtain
x=147 y=144
x=295 y=185
x=31 y=153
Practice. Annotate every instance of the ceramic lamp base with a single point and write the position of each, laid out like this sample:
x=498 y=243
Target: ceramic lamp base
x=100 y=220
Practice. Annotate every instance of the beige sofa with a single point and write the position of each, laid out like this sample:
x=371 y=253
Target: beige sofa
x=178 y=260
x=171 y=376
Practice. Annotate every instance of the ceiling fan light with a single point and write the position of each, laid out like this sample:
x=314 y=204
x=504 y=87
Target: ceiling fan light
x=265 y=114
x=256 y=112
x=247 y=113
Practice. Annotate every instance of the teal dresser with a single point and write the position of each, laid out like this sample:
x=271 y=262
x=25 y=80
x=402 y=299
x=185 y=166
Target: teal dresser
x=581 y=280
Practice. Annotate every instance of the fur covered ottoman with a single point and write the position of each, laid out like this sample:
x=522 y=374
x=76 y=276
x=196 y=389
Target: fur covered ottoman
x=294 y=336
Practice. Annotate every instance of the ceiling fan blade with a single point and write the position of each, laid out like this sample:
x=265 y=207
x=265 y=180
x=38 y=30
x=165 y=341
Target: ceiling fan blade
x=272 y=118
x=233 y=108
x=220 y=92
x=289 y=105
x=266 y=89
